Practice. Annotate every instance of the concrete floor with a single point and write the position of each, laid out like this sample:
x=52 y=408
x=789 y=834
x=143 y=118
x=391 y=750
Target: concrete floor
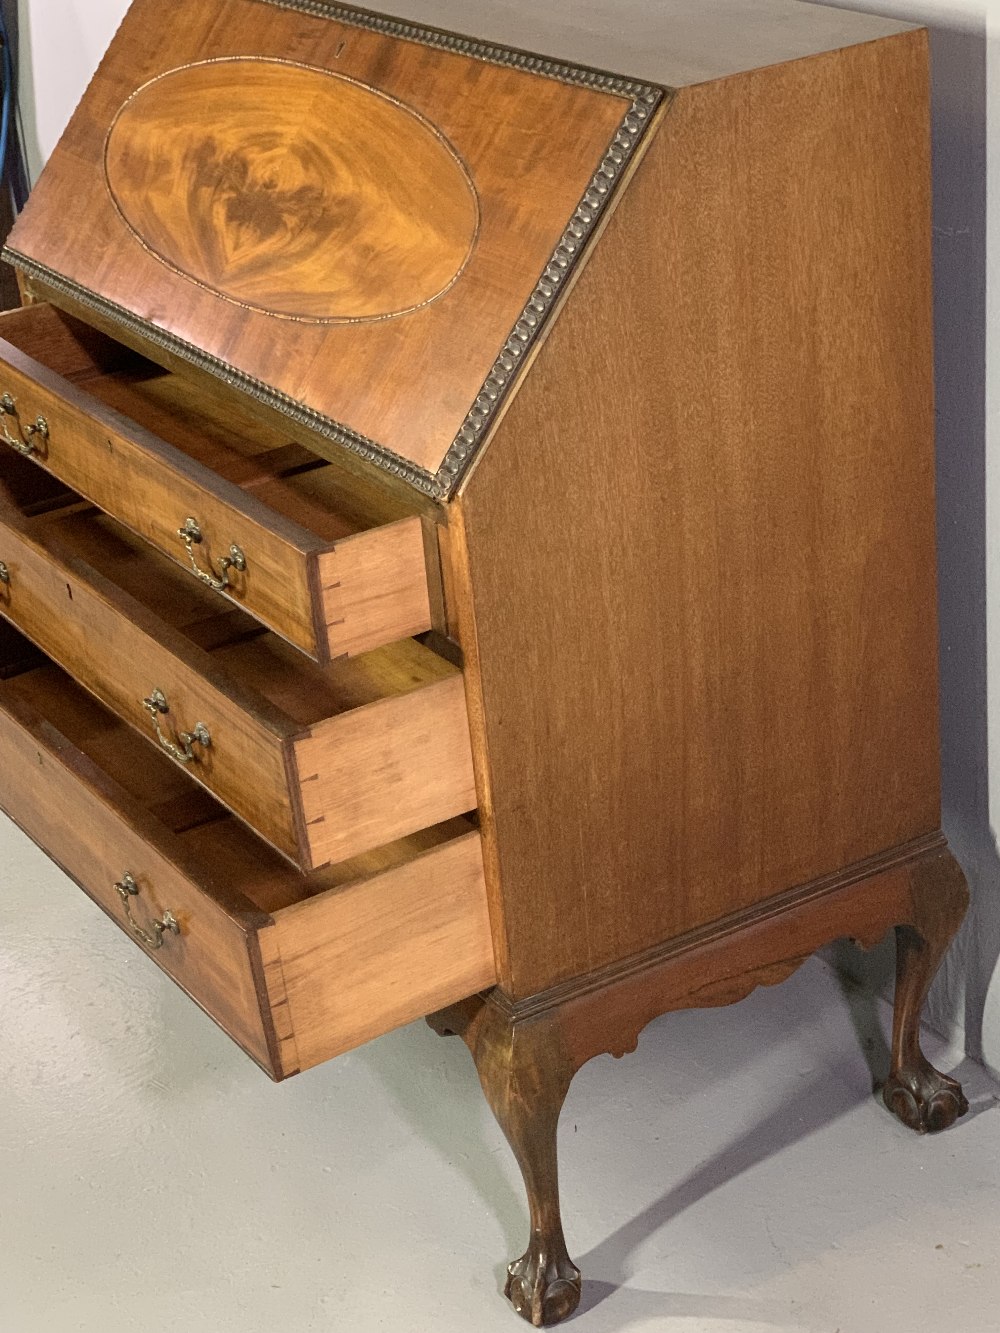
x=735 y=1175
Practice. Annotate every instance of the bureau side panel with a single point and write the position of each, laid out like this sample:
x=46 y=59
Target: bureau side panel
x=698 y=558
x=68 y=807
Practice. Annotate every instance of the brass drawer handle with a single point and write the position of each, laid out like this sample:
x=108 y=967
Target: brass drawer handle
x=4 y=574
x=191 y=535
x=127 y=889
x=25 y=442
x=183 y=748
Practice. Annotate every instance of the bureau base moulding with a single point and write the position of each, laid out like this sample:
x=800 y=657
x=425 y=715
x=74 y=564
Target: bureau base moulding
x=527 y=1053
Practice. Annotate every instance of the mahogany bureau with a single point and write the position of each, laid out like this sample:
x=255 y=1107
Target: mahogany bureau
x=467 y=526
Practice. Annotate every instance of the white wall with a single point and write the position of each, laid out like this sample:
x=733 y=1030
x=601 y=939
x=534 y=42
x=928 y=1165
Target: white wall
x=62 y=41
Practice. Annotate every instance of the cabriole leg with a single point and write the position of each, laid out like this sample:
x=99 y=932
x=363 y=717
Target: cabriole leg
x=924 y=1099
x=527 y=1053
x=526 y=1076
x=526 y=1072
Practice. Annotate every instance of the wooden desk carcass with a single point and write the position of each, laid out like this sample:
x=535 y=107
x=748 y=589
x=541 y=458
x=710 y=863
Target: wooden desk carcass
x=468 y=527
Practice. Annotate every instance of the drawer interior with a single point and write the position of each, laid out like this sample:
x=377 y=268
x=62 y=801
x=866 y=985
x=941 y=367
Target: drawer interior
x=225 y=858
x=294 y=967
x=205 y=423
x=263 y=665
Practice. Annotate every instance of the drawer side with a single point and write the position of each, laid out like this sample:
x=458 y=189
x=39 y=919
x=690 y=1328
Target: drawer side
x=358 y=961
x=76 y=815
x=386 y=770
x=373 y=588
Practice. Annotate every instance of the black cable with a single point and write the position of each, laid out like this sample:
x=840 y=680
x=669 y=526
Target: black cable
x=13 y=168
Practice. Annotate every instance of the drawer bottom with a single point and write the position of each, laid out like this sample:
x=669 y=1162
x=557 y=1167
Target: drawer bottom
x=296 y=968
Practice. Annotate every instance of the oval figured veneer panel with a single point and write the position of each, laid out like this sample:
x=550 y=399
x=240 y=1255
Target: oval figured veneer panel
x=292 y=190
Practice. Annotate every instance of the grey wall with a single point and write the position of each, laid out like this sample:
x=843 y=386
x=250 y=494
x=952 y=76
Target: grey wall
x=62 y=42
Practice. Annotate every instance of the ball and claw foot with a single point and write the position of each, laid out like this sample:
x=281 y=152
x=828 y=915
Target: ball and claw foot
x=923 y=1099
x=543 y=1289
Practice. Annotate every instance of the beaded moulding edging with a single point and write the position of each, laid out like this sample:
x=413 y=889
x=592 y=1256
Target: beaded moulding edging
x=440 y=485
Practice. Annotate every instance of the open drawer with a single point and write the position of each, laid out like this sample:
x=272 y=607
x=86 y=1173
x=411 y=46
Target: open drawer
x=323 y=762
x=295 y=968
x=324 y=560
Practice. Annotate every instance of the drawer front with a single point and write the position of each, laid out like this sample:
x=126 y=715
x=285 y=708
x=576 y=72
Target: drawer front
x=153 y=489
x=122 y=654
x=370 y=771
x=378 y=773
x=326 y=598
x=49 y=789
x=296 y=968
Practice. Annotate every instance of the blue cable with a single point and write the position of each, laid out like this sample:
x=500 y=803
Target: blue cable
x=8 y=88
x=13 y=170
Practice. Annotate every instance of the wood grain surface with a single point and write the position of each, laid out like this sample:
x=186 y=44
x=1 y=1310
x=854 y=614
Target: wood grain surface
x=96 y=830
x=528 y=1053
x=153 y=449
x=292 y=190
x=364 y=947
x=395 y=492
x=373 y=955
x=378 y=772
x=374 y=588
x=122 y=651
x=324 y=763
x=700 y=639
x=530 y=144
